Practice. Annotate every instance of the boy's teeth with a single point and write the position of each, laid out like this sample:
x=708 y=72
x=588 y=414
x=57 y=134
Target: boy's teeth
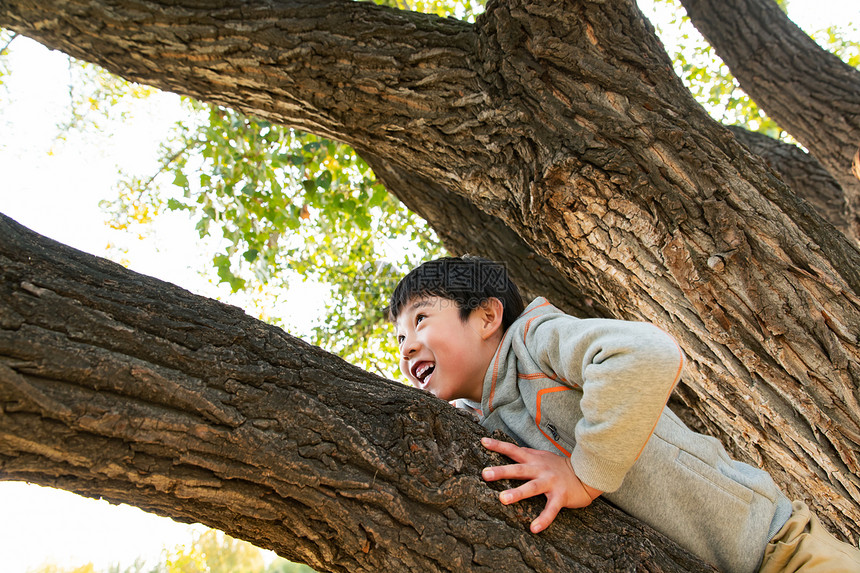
x=423 y=370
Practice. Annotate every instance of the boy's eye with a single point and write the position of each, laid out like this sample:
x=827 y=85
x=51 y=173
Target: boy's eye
x=419 y=318
x=400 y=339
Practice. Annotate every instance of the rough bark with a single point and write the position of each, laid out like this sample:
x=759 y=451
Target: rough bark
x=809 y=92
x=120 y=386
x=564 y=121
x=688 y=232
x=806 y=177
x=465 y=229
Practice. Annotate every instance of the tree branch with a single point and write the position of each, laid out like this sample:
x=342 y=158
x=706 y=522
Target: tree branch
x=465 y=229
x=808 y=91
x=352 y=71
x=806 y=177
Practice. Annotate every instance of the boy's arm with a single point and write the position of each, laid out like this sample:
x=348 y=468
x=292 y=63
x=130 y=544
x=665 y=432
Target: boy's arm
x=626 y=372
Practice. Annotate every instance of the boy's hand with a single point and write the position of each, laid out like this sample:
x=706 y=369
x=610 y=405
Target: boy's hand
x=545 y=473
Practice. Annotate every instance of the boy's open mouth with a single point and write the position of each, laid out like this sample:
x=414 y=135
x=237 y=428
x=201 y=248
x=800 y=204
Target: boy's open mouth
x=423 y=370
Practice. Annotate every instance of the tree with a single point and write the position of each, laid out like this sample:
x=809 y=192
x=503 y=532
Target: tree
x=555 y=137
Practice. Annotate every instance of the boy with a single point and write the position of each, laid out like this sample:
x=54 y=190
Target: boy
x=588 y=399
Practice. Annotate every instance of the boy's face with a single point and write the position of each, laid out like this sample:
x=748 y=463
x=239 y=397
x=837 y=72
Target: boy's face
x=439 y=352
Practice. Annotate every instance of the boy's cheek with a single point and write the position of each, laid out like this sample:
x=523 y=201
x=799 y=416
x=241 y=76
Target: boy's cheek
x=405 y=372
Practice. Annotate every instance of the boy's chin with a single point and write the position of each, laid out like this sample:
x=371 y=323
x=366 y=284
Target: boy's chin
x=436 y=394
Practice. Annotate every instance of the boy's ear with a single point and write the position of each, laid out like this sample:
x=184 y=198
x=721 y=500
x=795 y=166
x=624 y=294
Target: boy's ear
x=490 y=313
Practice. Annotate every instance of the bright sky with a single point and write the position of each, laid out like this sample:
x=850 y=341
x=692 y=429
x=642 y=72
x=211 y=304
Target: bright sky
x=54 y=188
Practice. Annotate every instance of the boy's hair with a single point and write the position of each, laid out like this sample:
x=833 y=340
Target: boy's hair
x=468 y=281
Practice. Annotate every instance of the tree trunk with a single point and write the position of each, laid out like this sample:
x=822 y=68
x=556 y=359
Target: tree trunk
x=809 y=92
x=120 y=386
x=563 y=120
x=465 y=229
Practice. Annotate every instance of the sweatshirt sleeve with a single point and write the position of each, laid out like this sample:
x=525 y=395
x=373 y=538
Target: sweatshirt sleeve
x=626 y=371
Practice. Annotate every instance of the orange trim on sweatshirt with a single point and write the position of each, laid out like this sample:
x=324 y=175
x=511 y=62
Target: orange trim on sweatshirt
x=536 y=376
x=529 y=323
x=495 y=376
x=541 y=375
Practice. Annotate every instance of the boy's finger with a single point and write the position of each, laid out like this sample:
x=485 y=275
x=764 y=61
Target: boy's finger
x=546 y=517
x=512 y=471
x=529 y=489
x=513 y=451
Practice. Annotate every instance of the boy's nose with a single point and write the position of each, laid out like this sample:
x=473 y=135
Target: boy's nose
x=410 y=346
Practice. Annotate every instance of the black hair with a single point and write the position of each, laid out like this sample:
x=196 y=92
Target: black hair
x=468 y=281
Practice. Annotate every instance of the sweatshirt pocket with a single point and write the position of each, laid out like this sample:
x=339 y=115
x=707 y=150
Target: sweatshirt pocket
x=551 y=404
x=715 y=476
x=695 y=505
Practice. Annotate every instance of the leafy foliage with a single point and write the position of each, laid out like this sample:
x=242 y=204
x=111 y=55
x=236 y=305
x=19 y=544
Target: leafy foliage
x=463 y=10
x=283 y=205
x=216 y=552
x=838 y=40
x=53 y=568
x=705 y=74
x=97 y=97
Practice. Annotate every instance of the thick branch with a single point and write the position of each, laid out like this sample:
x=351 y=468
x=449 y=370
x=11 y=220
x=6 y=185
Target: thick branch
x=116 y=385
x=464 y=229
x=674 y=222
x=806 y=177
x=809 y=92
x=371 y=76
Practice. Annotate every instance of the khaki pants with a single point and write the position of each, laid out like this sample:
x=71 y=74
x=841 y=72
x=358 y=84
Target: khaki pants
x=804 y=545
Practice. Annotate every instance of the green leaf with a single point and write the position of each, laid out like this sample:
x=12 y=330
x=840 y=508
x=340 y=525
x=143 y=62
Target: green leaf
x=379 y=195
x=324 y=180
x=362 y=219
x=174 y=205
x=222 y=264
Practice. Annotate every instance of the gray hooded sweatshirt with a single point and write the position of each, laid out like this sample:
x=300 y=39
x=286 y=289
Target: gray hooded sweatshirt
x=595 y=391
